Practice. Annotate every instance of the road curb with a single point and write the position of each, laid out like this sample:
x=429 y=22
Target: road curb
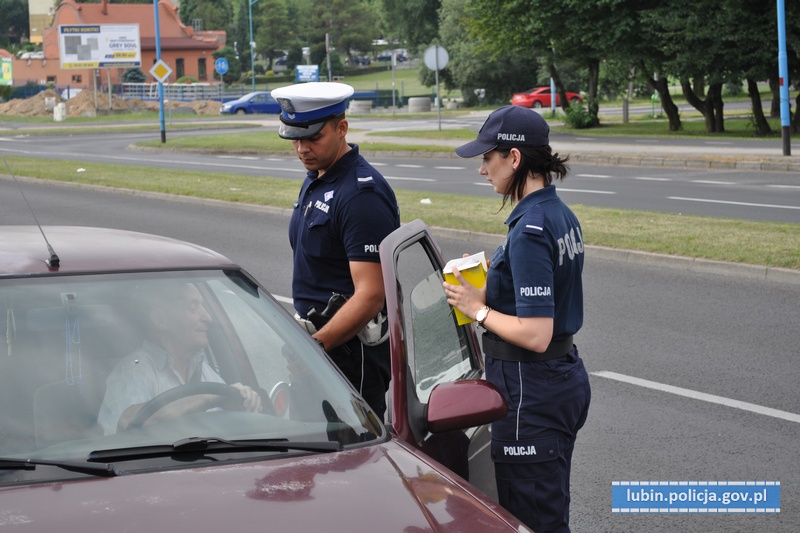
x=693 y=162
x=690 y=161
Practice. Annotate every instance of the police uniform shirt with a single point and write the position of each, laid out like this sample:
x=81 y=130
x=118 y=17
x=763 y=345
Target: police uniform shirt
x=341 y=216
x=537 y=270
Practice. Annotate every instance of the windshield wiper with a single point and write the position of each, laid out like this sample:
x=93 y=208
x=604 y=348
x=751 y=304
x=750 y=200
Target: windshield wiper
x=100 y=470
x=193 y=445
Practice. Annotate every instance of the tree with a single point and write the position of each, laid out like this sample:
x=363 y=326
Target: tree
x=14 y=27
x=414 y=21
x=133 y=75
x=240 y=34
x=577 y=30
x=214 y=14
x=351 y=25
x=274 y=30
x=494 y=79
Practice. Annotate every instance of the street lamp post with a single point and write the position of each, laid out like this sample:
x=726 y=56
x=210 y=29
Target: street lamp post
x=252 y=45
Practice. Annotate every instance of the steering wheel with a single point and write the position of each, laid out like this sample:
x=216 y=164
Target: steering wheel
x=228 y=396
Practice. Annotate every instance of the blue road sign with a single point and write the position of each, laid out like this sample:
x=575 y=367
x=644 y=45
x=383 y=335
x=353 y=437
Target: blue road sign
x=221 y=66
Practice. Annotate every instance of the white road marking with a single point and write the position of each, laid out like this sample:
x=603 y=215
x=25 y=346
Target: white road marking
x=643 y=178
x=702 y=396
x=450 y=168
x=283 y=299
x=785 y=186
x=594 y=176
x=585 y=191
x=400 y=178
x=731 y=203
x=712 y=182
x=409 y=166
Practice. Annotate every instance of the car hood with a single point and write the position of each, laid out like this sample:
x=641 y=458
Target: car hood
x=384 y=488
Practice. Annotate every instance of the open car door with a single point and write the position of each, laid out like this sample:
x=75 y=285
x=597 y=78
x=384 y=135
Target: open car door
x=438 y=401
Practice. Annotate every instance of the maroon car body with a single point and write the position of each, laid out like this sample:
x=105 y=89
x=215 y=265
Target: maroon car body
x=294 y=467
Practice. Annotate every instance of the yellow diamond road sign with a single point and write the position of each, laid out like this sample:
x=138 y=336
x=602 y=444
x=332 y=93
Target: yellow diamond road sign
x=161 y=71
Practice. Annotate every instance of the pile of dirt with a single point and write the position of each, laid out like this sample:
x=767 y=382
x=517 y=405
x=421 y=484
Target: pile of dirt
x=41 y=105
x=35 y=106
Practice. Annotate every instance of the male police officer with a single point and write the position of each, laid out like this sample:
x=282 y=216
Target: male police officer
x=344 y=211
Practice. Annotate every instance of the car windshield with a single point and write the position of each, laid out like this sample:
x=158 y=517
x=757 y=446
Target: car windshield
x=80 y=354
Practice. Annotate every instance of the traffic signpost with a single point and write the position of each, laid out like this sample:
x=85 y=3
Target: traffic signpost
x=436 y=58
x=221 y=66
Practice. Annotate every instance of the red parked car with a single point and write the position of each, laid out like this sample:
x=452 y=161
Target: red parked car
x=314 y=457
x=541 y=97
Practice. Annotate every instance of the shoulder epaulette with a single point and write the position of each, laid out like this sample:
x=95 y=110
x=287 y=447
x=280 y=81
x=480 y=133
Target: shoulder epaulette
x=533 y=221
x=364 y=178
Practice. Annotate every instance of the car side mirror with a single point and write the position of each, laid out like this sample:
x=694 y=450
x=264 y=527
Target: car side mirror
x=464 y=404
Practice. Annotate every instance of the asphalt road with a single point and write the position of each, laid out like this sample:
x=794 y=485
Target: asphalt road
x=731 y=193
x=726 y=345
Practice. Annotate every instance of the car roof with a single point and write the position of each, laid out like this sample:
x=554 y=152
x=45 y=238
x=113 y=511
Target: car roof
x=23 y=251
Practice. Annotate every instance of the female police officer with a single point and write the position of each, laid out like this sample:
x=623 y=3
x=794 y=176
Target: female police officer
x=531 y=307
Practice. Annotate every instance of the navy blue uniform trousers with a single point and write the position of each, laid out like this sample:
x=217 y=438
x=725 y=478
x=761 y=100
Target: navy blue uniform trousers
x=532 y=446
x=368 y=368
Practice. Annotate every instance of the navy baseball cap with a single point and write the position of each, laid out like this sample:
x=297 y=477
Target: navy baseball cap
x=510 y=126
x=306 y=107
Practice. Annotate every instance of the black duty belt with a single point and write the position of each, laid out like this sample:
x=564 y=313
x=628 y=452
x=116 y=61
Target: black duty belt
x=498 y=348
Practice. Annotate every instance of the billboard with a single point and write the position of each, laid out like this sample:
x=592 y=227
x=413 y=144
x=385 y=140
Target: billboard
x=99 y=46
x=5 y=70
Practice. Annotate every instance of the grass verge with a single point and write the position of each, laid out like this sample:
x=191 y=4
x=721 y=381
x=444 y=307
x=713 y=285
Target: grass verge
x=759 y=243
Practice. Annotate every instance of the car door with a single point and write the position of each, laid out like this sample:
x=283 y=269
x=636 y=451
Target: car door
x=429 y=348
x=258 y=104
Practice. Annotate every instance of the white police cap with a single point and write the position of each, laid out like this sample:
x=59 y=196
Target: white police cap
x=306 y=107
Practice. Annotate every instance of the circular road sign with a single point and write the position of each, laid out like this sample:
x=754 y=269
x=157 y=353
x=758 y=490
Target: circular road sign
x=221 y=65
x=436 y=57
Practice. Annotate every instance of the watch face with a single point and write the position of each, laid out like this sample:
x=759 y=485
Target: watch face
x=480 y=316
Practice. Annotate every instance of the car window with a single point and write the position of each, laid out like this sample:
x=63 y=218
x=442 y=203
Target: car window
x=438 y=349
x=75 y=348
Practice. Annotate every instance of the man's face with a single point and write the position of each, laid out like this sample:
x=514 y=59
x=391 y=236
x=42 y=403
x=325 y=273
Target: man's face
x=187 y=319
x=320 y=152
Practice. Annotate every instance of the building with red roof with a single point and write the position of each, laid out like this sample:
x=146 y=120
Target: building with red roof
x=186 y=51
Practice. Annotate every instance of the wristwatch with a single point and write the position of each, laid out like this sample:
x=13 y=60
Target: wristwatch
x=482 y=314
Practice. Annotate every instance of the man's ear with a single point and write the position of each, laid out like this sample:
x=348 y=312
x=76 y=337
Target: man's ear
x=342 y=127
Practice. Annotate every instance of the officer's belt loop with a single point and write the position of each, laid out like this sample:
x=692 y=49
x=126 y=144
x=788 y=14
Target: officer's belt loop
x=498 y=348
x=307 y=324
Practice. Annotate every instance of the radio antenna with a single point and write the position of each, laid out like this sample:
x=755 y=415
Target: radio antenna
x=54 y=261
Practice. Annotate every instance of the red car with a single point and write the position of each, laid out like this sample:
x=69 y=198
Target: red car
x=541 y=97
x=88 y=304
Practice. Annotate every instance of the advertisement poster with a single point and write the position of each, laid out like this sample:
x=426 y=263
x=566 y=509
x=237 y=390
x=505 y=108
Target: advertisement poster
x=83 y=46
x=5 y=68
